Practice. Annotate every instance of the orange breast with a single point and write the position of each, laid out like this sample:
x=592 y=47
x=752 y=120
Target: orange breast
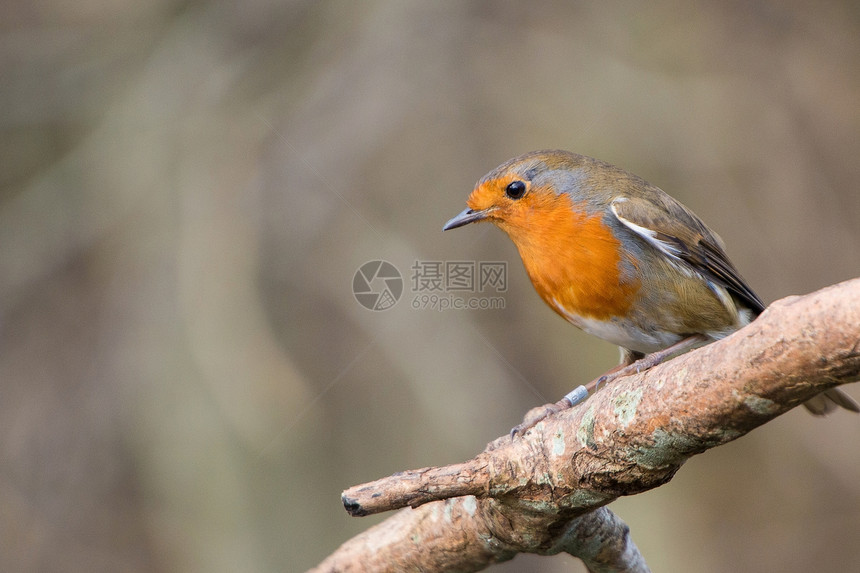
x=573 y=259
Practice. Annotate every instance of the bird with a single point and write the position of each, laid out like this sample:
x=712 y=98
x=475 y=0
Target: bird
x=619 y=258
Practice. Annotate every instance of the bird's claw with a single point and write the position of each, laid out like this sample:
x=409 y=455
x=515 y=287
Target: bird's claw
x=537 y=415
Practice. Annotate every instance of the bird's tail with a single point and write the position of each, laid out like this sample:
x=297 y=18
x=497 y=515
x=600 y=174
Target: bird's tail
x=828 y=401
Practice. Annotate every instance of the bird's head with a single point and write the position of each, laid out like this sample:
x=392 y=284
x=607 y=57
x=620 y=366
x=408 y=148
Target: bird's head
x=527 y=193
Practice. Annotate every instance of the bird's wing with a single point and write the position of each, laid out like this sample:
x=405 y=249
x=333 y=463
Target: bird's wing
x=677 y=232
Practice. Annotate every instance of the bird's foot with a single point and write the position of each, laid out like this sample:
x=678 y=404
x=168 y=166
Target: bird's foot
x=540 y=413
x=580 y=393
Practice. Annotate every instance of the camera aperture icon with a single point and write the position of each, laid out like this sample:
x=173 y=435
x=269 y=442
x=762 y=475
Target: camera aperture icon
x=377 y=285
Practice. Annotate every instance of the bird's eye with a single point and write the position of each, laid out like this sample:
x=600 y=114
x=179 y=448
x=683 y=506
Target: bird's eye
x=515 y=189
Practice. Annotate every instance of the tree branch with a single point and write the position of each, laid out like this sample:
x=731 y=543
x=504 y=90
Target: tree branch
x=527 y=494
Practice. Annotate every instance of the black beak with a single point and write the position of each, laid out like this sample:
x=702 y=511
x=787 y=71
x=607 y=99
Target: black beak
x=464 y=218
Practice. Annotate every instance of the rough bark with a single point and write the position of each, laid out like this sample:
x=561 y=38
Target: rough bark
x=538 y=493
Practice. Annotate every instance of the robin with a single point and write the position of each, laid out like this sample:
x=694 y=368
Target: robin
x=620 y=259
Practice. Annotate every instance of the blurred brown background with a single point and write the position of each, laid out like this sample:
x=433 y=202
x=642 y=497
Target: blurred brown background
x=186 y=380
